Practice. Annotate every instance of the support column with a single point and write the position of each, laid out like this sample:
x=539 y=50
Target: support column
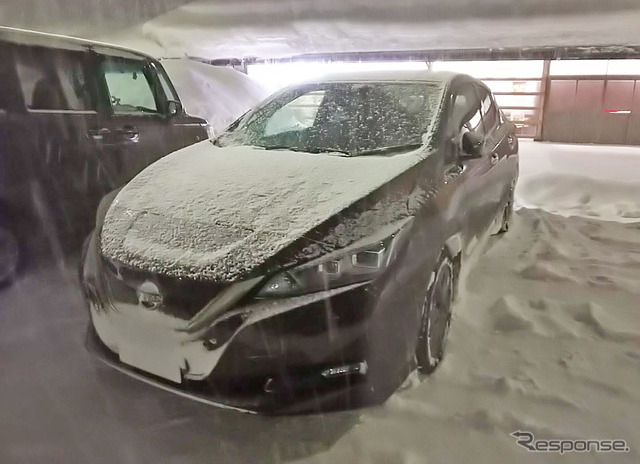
x=545 y=83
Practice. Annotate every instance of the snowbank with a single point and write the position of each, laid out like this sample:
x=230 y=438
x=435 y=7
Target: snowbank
x=582 y=196
x=581 y=180
x=218 y=94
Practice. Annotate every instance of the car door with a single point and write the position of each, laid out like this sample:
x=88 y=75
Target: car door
x=184 y=129
x=134 y=131
x=499 y=145
x=58 y=113
x=475 y=174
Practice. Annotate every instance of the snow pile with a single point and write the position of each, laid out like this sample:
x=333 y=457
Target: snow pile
x=218 y=94
x=582 y=196
x=289 y=27
x=226 y=210
x=579 y=180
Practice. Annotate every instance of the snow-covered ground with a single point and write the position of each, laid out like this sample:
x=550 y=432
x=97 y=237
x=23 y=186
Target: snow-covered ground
x=545 y=338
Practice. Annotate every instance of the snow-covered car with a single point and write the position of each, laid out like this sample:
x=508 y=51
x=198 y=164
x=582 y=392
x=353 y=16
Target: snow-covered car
x=306 y=259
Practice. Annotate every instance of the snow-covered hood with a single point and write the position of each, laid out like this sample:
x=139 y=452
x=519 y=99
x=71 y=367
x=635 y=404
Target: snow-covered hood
x=216 y=213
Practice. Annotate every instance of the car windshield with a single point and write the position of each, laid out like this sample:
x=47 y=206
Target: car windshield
x=348 y=118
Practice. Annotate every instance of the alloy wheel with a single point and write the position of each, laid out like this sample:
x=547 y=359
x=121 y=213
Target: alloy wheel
x=439 y=314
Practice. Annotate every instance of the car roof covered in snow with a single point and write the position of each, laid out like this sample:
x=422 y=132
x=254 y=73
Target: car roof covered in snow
x=27 y=37
x=443 y=77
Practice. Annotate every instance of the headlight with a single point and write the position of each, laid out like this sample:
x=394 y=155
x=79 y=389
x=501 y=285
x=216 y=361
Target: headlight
x=360 y=262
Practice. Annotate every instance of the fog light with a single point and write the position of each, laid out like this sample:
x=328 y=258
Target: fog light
x=347 y=369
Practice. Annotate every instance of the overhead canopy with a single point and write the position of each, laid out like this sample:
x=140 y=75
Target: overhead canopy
x=222 y=29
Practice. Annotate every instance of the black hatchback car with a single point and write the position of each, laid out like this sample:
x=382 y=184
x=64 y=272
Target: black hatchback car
x=307 y=259
x=77 y=119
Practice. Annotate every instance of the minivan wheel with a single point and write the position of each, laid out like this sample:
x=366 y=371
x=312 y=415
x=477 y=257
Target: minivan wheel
x=436 y=317
x=9 y=255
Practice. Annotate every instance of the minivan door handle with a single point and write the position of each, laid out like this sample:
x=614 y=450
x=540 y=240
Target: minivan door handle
x=99 y=134
x=129 y=133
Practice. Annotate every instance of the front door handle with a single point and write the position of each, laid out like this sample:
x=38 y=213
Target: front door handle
x=129 y=133
x=494 y=158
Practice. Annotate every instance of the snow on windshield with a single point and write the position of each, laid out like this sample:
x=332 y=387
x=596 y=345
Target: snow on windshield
x=350 y=118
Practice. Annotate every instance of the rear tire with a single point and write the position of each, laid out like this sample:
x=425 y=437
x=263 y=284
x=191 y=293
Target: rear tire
x=436 y=316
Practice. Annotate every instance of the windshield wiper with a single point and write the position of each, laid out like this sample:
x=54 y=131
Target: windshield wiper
x=306 y=149
x=144 y=109
x=280 y=147
x=377 y=151
x=328 y=150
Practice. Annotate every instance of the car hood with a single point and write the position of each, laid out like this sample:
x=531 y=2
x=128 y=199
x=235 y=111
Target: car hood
x=216 y=213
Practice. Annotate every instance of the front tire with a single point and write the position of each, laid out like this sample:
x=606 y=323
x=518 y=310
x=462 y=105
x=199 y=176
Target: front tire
x=436 y=316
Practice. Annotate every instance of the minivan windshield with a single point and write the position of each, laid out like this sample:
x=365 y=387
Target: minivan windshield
x=349 y=118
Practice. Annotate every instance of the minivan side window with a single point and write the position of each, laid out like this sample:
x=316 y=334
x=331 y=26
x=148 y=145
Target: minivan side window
x=129 y=86
x=166 y=86
x=53 y=80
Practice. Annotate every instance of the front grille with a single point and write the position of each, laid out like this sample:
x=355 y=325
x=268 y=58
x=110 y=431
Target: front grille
x=182 y=298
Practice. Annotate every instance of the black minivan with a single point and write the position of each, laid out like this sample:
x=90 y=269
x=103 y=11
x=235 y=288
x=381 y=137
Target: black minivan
x=77 y=120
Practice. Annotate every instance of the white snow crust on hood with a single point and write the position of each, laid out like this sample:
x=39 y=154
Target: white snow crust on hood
x=215 y=213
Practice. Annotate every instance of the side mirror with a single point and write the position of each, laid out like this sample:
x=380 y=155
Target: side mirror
x=472 y=145
x=174 y=108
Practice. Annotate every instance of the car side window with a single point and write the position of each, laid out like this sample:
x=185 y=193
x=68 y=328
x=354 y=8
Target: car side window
x=53 y=80
x=490 y=114
x=465 y=111
x=129 y=85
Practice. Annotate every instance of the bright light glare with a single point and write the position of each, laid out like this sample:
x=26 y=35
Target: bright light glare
x=275 y=76
x=487 y=69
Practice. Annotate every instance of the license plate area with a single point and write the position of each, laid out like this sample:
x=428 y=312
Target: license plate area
x=155 y=360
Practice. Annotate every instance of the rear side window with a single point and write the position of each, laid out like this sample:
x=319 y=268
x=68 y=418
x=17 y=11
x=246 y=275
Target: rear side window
x=490 y=114
x=465 y=111
x=53 y=80
x=129 y=86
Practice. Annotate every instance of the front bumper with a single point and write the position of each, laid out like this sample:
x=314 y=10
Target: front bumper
x=339 y=349
x=340 y=394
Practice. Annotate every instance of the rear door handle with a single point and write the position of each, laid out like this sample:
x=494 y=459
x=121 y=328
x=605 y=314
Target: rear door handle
x=129 y=133
x=495 y=158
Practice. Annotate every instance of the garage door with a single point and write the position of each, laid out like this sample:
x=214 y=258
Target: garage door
x=595 y=109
